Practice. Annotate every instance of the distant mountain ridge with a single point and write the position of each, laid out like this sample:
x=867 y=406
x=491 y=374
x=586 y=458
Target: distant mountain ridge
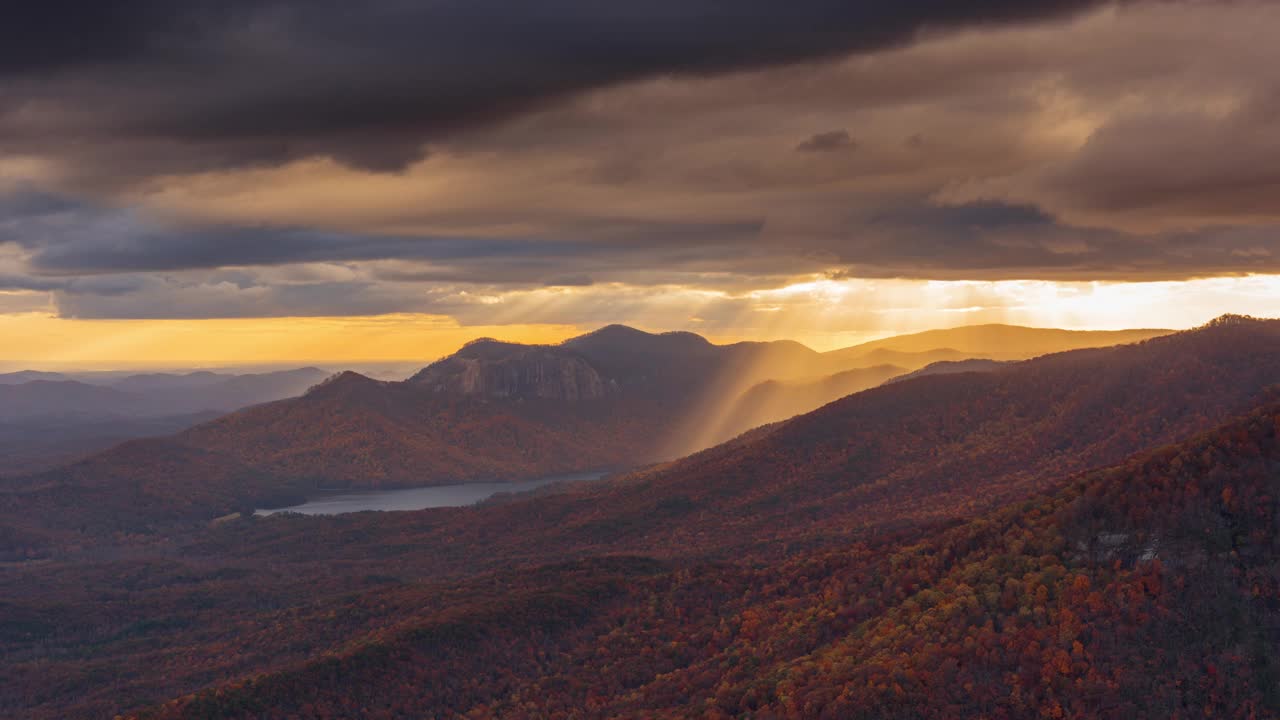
x=74 y=417
x=951 y=367
x=916 y=448
x=33 y=445
x=62 y=398
x=1002 y=342
x=147 y=395
x=25 y=376
x=613 y=398
x=927 y=450
x=491 y=411
x=774 y=400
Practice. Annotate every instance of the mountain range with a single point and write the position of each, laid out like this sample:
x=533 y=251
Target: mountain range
x=1141 y=589
x=904 y=454
x=998 y=342
x=49 y=419
x=31 y=395
x=1086 y=534
x=610 y=399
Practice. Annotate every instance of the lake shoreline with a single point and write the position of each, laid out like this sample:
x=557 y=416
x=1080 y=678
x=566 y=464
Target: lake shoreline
x=340 y=502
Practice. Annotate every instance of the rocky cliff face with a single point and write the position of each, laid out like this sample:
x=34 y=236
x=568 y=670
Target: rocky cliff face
x=494 y=369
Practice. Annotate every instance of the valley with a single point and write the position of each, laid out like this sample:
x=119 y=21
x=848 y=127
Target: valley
x=999 y=481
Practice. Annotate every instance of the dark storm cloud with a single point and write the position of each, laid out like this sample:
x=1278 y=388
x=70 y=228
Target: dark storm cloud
x=826 y=142
x=997 y=241
x=231 y=83
x=64 y=237
x=157 y=297
x=64 y=242
x=11 y=282
x=112 y=263
x=1173 y=168
x=161 y=249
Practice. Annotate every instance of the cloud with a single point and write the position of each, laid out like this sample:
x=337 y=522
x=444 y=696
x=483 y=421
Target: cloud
x=570 y=281
x=178 y=87
x=827 y=141
x=1159 y=171
x=15 y=283
x=544 y=155
x=104 y=262
x=64 y=237
x=169 y=297
x=703 y=169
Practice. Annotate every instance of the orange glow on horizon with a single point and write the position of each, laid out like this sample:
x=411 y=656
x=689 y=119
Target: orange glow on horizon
x=43 y=340
x=821 y=313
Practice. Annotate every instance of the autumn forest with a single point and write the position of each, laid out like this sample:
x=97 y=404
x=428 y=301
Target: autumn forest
x=1086 y=534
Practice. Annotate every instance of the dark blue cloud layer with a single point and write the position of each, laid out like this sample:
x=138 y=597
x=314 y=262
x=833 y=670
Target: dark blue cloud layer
x=244 y=82
x=83 y=249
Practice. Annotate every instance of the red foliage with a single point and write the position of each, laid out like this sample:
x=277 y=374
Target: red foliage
x=1122 y=595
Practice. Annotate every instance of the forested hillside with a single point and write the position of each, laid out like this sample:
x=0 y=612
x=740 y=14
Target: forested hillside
x=930 y=449
x=611 y=399
x=1146 y=590
x=938 y=546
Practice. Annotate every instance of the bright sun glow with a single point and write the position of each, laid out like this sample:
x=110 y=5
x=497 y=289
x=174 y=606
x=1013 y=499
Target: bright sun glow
x=822 y=313
x=40 y=339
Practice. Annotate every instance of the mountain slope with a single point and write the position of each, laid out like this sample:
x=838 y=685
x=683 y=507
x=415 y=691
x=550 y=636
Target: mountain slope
x=951 y=367
x=1001 y=342
x=942 y=446
x=1144 y=590
x=910 y=360
x=24 y=376
x=494 y=411
x=926 y=450
x=775 y=400
x=507 y=370
x=617 y=397
x=152 y=396
x=860 y=560
x=350 y=431
x=377 y=433
x=66 y=398
x=46 y=423
x=195 y=392
x=32 y=445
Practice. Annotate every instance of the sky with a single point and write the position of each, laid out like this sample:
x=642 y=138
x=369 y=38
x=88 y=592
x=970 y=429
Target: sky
x=254 y=181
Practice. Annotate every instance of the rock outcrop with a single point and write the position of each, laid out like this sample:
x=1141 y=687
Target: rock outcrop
x=503 y=370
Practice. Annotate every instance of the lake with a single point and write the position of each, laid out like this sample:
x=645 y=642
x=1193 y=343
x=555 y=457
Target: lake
x=421 y=498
